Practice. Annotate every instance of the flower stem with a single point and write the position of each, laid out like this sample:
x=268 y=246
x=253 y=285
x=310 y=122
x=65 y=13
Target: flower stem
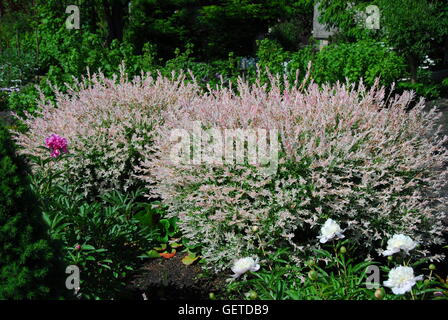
x=262 y=249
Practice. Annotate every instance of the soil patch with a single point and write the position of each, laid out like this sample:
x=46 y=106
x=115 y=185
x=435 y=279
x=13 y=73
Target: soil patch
x=170 y=279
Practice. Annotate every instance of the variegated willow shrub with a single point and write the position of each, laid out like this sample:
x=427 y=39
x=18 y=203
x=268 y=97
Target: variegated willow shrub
x=346 y=152
x=106 y=123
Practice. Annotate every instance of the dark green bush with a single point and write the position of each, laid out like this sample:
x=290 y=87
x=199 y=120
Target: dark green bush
x=3 y=100
x=363 y=59
x=103 y=238
x=337 y=62
x=427 y=90
x=425 y=86
x=29 y=268
x=206 y=73
x=23 y=100
x=293 y=33
x=17 y=69
x=272 y=56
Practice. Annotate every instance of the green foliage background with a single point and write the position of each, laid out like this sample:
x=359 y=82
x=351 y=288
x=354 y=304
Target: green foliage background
x=29 y=262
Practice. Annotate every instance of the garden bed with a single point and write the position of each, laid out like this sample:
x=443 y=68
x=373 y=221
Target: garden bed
x=170 y=279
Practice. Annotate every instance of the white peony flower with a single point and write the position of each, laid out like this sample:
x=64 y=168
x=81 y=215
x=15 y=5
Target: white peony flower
x=399 y=242
x=244 y=265
x=401 y=279
x=329 y=230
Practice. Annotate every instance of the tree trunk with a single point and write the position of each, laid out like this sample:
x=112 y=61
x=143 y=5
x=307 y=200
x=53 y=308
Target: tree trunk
x=18 y=42
x=91 y=15
x=412 y=63
x=37 y=45
x=445 y=49
x=115 y=12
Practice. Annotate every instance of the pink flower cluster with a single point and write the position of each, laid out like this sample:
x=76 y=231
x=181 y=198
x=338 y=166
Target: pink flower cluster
x=56 y=144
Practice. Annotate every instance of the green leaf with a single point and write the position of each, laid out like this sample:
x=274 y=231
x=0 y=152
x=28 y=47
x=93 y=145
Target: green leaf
x=87 y=247
x=175 y=245
x=161 y=248
x=189 y=259
x=145 y=218
x=152 y=254
x=46 y=219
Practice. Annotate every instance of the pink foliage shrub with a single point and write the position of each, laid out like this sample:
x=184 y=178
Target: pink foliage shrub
x=106 y=123
x=349 y=154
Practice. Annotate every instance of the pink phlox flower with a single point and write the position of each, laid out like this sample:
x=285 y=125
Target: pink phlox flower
x=56 y=144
